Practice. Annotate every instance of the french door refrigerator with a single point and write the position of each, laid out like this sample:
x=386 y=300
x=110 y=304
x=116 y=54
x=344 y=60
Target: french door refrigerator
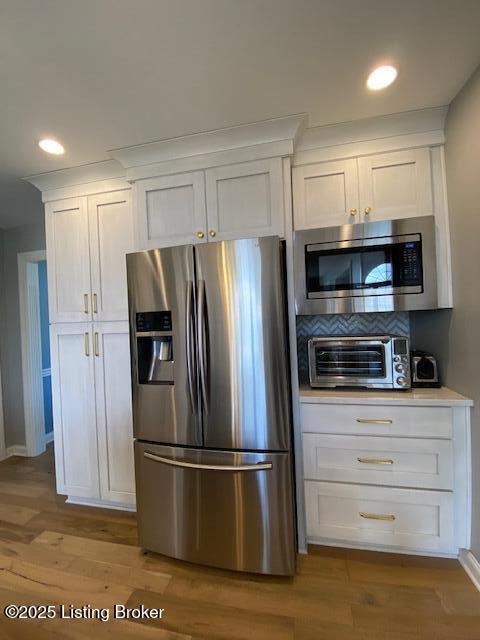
x=211 y=404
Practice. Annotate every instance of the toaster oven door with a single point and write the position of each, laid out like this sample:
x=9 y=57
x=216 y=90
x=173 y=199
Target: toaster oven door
x=350 y=363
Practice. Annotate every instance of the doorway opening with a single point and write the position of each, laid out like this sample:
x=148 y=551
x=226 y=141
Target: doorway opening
x=34 y=327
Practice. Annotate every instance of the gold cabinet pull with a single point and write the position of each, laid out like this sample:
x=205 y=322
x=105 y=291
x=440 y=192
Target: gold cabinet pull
x=353 y=212
x=95 y=343
x=212 y=233
x=94 y=303
x=375 y=461
x=373 y=421
x=376 y=516
x=85 y=302
x=200 y=234
x=367 y=210
x=86 y=343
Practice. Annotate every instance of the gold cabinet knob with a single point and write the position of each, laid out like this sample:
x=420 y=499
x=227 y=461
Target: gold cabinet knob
x=353 y=212
x=212 y=233
x=367 y=210
x=200 y=234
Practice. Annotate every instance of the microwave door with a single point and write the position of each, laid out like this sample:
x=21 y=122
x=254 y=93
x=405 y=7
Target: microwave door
x=162 y=302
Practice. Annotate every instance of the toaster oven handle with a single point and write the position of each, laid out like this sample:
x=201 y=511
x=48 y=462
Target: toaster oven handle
x=374 y=421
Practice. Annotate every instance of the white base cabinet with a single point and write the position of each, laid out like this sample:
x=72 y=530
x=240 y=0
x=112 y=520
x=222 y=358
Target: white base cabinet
x=92 y=411
x=387 y=476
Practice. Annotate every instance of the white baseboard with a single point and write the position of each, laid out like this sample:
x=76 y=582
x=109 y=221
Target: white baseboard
x=101 y=504
x=16 y=450
x=49 y=437
x=471 y=566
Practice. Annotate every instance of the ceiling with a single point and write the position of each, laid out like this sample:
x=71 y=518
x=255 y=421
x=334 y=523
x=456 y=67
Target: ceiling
x=103 y=74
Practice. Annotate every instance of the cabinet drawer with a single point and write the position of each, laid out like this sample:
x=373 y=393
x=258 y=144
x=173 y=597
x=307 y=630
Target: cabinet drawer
x=378 y=420
x=407 y=462
x=404 y=518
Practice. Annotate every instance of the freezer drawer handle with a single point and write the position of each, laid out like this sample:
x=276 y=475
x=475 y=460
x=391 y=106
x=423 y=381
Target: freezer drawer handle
x=261 y=466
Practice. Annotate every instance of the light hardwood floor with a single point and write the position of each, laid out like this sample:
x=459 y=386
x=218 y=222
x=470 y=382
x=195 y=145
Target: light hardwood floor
x=51 y=552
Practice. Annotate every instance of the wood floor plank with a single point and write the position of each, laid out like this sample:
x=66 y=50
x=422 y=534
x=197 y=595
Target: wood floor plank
x=214 y=621
x=16 y=514
x=17 y=575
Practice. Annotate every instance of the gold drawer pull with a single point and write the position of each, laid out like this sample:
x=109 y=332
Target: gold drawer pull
x=376 y=516
x=373 y=421
x=94 y=303
x=85 y=303
x=95 y=344
x=375 y=461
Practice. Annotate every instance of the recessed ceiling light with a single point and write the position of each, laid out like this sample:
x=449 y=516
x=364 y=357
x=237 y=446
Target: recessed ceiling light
x=51 y=146
x=381 y=77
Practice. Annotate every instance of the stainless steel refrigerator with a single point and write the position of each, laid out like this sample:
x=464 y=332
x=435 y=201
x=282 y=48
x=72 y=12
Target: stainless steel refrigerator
x=211 y=404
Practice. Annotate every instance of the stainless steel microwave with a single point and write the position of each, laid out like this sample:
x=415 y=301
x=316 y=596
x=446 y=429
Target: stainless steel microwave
x=374 y=362
x=376 y=266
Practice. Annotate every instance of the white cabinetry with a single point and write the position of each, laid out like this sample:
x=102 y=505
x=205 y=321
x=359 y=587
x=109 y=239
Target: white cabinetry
x=387 y=476
x=325 y=194
x=73 y=394
x=111 y=348
x=170 y=210
x=92 y=411
x=245 y=200
x=221 y=203
x=87 y=239
x=382 y=186
x=68 y=261
x=397 y=184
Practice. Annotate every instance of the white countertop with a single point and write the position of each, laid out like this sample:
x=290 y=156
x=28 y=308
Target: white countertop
x=442 y=397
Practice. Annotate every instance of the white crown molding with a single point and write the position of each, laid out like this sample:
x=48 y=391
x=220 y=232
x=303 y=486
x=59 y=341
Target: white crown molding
x=369 y=147
x=285 y=129
x=388 y=126
x=75 y=176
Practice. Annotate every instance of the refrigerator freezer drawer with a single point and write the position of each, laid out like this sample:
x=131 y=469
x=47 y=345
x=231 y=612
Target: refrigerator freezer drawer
x=221 y=508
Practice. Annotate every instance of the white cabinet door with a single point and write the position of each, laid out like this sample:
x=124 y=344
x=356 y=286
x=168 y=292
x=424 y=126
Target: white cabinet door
x=396 y=184
x=111 y=238
x=245 y=200
x=325 y=194
x=114 y=412
x=73 y=394
x=171 y=210
x=68 y=260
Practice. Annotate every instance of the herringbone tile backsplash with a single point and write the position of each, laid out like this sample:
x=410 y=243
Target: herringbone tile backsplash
x=397 y=322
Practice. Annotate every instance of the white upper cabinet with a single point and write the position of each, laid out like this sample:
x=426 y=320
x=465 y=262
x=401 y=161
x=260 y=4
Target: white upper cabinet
x=87 y=239
x=326 y=194
x=383 y=186
x=68 y=260
x=396 y=184
x=171 y=210
x=73 y=393
x=111 y=348
x=111 y=238
x=245 y=200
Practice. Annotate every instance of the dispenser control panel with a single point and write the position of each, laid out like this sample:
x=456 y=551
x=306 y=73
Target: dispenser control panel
x=147 y=321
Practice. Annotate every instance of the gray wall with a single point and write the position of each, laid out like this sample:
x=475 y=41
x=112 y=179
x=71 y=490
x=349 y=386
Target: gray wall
x=26 y=238
x=455 y=335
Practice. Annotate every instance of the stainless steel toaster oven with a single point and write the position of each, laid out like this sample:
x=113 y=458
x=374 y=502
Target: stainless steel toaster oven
x=374 y=362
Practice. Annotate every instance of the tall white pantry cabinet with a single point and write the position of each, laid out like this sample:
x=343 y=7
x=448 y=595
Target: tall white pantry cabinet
x=88 y=237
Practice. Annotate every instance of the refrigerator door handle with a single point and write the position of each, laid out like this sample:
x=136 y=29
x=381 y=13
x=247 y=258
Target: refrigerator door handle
x=202 y=344
x=260 y=466
x=191 y=363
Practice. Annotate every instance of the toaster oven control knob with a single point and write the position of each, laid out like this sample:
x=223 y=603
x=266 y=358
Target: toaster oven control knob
x=400 y=368
x=396 y=359
x=402 y=381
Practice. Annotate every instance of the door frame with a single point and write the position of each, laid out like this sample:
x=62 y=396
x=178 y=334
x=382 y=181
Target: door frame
x=29 y=299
